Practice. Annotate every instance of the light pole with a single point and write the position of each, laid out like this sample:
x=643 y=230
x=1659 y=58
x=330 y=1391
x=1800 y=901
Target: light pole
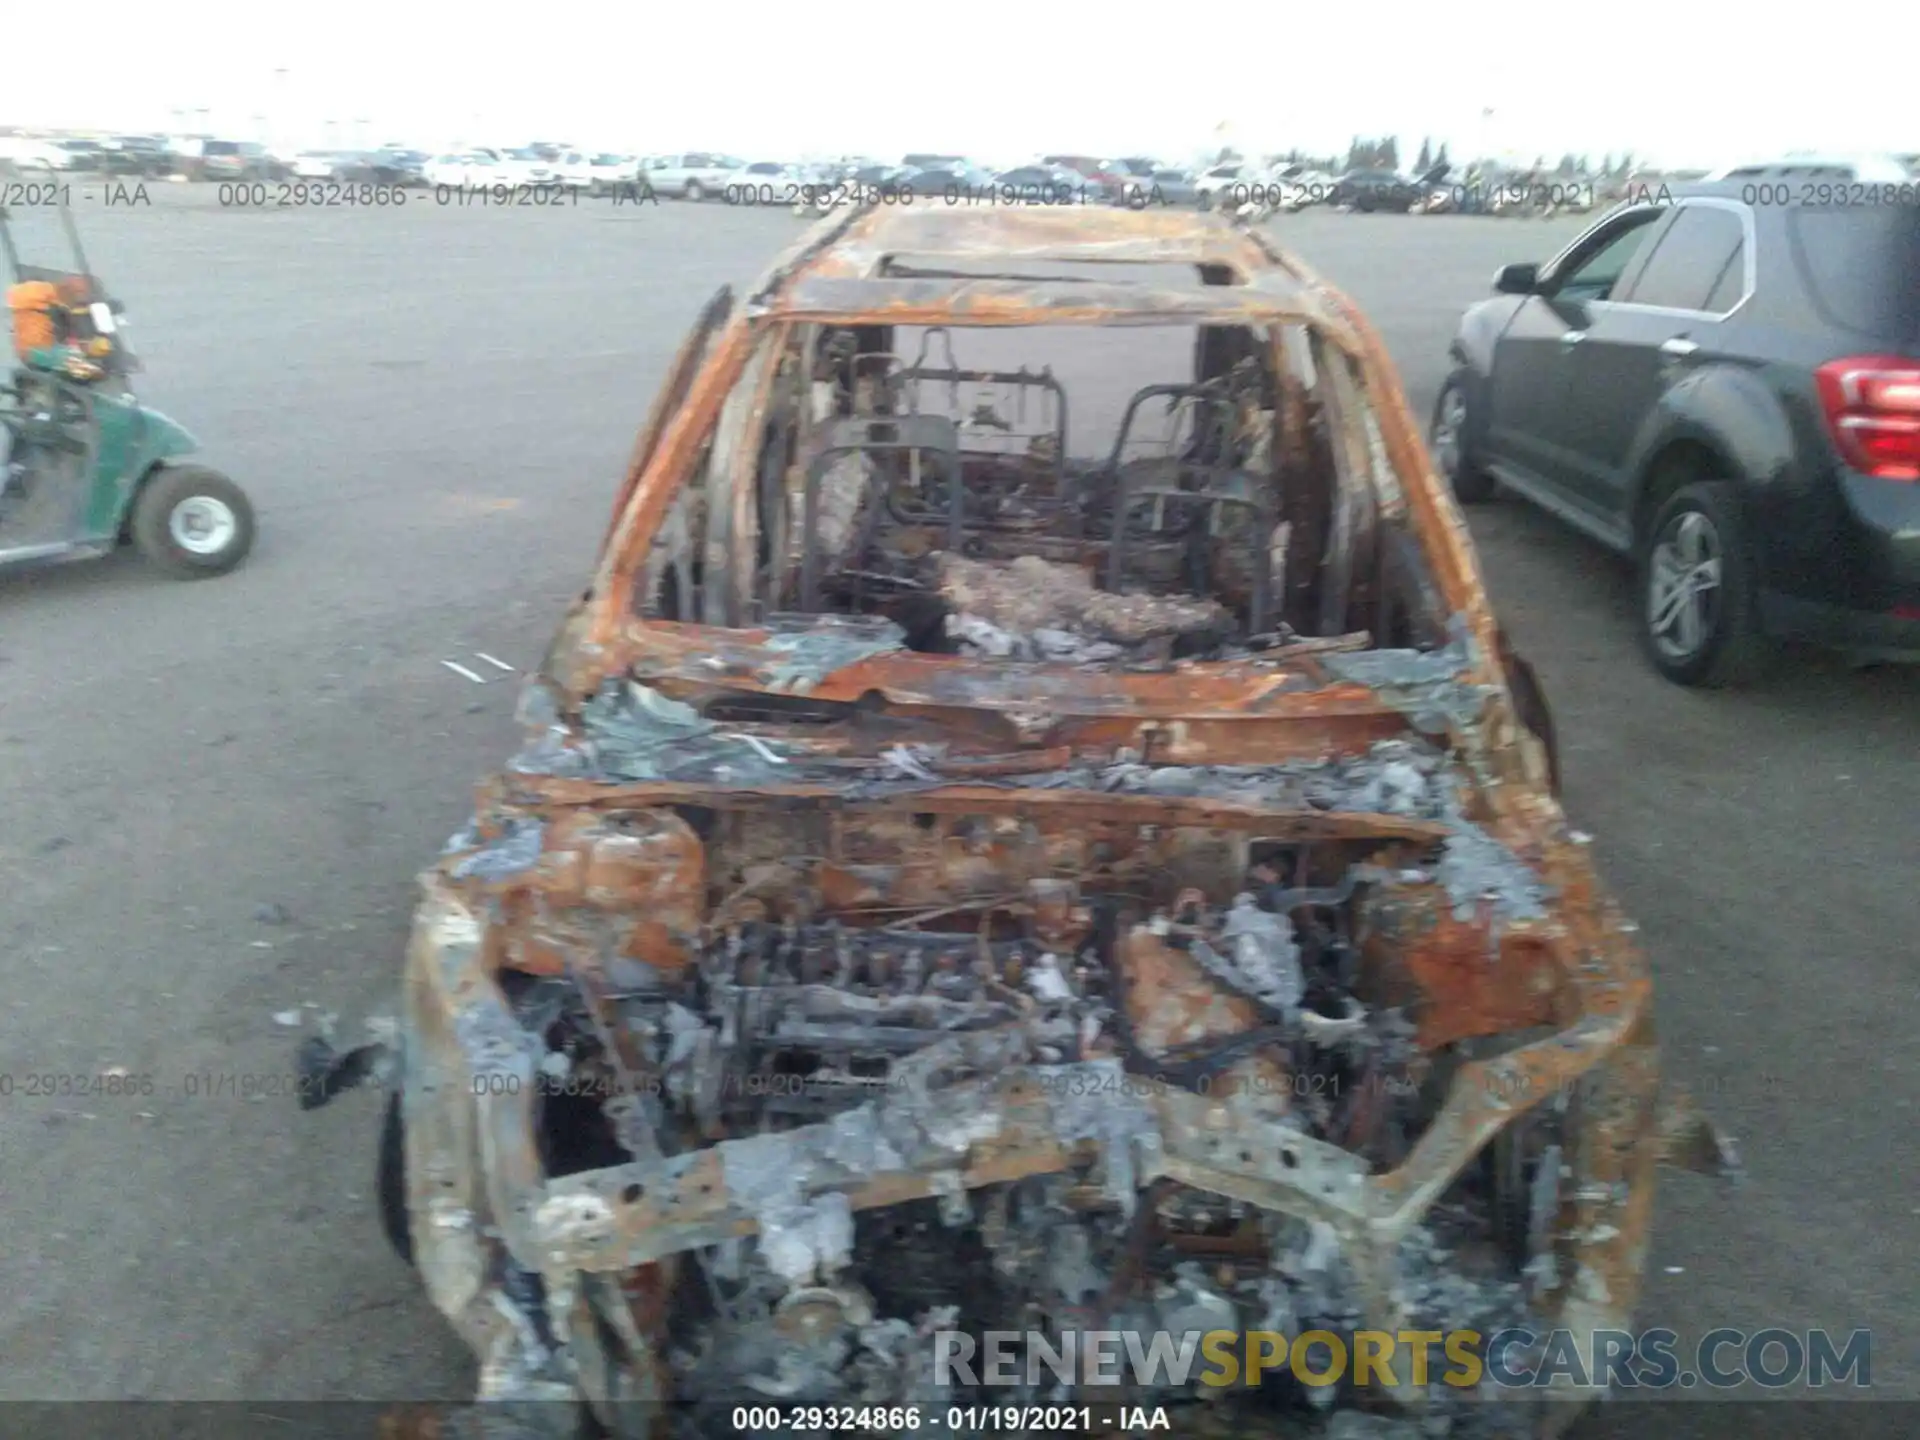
x=280 y=108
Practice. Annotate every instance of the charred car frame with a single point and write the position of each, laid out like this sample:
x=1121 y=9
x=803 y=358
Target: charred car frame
x=962 y=874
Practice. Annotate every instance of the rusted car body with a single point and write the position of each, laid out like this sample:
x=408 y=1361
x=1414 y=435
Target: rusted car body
x=1114 y=890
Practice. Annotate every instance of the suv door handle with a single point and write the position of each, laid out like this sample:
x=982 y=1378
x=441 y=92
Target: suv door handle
x=1678 y=347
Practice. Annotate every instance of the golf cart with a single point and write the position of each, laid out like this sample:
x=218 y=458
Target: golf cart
x=87 y=466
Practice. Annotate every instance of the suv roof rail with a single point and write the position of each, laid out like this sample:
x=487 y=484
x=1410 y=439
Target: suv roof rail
x=1879 y=169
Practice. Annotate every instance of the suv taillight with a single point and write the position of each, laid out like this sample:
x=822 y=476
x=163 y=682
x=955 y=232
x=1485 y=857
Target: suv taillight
x=1872 y=403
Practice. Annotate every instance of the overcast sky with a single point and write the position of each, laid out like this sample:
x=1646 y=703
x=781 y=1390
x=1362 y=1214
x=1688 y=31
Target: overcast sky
x=1681 y=84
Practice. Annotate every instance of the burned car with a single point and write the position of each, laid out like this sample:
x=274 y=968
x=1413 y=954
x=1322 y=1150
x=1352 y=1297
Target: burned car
x=967 y=873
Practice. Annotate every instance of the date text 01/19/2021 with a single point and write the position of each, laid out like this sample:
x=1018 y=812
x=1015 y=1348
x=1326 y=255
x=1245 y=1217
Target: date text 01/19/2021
x=954 y=1420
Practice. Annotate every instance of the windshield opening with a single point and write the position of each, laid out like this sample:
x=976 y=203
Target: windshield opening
x=1123 y=499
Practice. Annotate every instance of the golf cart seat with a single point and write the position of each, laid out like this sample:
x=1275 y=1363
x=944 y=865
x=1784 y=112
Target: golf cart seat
x=37 y=313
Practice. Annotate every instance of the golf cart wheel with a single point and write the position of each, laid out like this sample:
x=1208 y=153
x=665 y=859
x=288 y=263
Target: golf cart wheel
x=1697 y=591
x=1448 y=440
x=695 y=191
x=193 y=522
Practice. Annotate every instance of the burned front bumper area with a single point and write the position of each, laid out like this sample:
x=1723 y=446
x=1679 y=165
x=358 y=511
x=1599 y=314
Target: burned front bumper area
x=741 y=1103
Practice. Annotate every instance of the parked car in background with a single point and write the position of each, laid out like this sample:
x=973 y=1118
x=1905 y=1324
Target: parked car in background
x=1723 y=383
x=235 y=160
x=1384 y=191
x=1103 y=177
x=610 y=171
x=955 y=177
x=853 y=187
x=692 y=176
x=144 y=156
x=1044 y=185
x=83 y=155
x=468 y=168
x=525 y=165
x=763 y=182
x=66 y=156
x=1222 y=182
x=1301 y=185
x=25 y=153
x=327 y=165
x=571 y=168
x=393 y=165
x=1168 y=188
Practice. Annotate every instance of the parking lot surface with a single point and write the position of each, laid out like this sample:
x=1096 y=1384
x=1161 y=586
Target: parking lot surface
x=218 y=793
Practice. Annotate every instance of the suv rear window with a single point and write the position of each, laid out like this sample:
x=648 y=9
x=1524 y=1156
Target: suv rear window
x=1861 y=266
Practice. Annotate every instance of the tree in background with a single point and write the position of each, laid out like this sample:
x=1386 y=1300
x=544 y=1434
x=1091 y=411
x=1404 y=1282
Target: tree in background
x=1425 y=162
x=1440 y=155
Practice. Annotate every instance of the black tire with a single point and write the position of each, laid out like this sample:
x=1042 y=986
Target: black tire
x=390 y=1180
x=695 y=191
x=1452 y=454
x=172 y=489
x=1723 y=644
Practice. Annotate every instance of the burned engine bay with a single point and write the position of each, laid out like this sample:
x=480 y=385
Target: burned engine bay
x=843 y=995
x=965 y=884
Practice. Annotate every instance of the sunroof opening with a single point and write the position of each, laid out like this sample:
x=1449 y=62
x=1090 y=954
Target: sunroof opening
x=1159 y=275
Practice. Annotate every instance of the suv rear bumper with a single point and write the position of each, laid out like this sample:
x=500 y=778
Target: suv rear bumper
x=1841 y=564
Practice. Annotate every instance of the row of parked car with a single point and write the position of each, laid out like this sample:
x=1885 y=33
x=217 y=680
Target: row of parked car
x=1239 y=185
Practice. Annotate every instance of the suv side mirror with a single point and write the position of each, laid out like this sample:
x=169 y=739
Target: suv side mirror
x=1516 y=279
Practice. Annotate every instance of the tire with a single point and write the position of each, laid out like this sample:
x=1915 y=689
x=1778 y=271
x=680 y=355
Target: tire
x=695 y=191
x=1447 y=438
x=1708 y=637
x=390 y=1180
x=192 y=522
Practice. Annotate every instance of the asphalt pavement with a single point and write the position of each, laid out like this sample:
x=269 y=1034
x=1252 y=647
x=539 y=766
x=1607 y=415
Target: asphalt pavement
x=218 y=793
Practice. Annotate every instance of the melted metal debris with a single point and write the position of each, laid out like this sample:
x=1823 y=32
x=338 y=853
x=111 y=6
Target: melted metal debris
x=635 y=733
x=819 y=645
x=1263 y=957
x=516 y=851
x=1091 y=1100
x=1478 y=870
x=1035 y=609
x=553 y=748
x=1424 y=685
x=1395 y=777
x=982 y=639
